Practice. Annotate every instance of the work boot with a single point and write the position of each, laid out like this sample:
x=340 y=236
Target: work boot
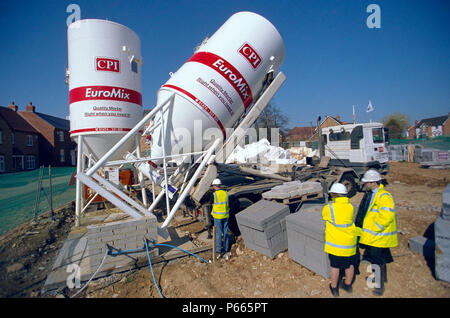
x=347 y=288
x=378 y=291
x=334 y=291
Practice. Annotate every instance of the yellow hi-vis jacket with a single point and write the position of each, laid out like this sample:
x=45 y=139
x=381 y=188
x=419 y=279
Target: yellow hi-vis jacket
x=220 y=208
x=340 y=231
x=379 y=225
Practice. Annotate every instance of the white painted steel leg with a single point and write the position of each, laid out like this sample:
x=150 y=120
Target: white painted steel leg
x=153 y=191
x=140 y=175
x=191 y=183
x=107 y=195
x=156 y=201
x=129 y=135
x=166 y=186
x=78 y=183
x=110 y=187
x=90 y=201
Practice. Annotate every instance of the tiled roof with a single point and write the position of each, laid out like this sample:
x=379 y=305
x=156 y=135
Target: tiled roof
x=15 y=121
x=434 y=121
x=56 y=122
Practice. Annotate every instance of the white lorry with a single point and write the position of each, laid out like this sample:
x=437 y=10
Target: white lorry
x=358 y=146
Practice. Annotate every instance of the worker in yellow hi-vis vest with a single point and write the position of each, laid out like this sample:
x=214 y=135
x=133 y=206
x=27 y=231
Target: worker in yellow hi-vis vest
x=340 y=237
x=379 y=228
x=221 y=212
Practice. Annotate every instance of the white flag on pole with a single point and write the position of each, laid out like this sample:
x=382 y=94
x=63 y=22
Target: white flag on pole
x=354 y=116
x=370 y=107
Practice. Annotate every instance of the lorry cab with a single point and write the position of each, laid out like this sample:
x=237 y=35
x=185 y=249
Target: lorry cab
x=359 y=146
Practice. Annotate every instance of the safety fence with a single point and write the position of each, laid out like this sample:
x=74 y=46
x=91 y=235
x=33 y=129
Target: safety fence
x=18 y=194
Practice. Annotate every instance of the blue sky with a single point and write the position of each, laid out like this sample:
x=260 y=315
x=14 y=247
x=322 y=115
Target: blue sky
x=333 y=60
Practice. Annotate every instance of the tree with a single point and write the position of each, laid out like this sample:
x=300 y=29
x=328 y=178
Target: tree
x=272 y=117
x=397 y=124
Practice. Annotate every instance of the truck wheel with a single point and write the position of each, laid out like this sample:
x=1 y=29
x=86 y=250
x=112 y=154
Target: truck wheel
x=349 y=181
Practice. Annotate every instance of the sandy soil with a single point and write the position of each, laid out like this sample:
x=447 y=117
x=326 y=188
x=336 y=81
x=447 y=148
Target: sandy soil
x=418 y=196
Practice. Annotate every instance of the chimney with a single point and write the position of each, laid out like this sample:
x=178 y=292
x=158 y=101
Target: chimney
x=13 y=106
x=338 y=117
x=30 y=107
x=416 y=122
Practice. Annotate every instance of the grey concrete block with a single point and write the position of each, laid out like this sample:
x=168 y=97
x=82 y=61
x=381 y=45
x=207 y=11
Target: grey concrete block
x=442 y=267
x=422 y=245
x=292 y=189
x=442 y=248
x=446 y=203
x=262 y=227
x=262 y=213
x=121 y=235
x=305 y=234
x=93 y=229
x=442 y=235
x=310 y=224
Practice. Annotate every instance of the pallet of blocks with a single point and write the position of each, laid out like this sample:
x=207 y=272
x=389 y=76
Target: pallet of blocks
x=263 y=227
x=294 y=192
x=306 y=239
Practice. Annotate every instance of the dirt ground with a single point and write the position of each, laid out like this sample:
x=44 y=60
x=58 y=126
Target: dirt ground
x=247 y=274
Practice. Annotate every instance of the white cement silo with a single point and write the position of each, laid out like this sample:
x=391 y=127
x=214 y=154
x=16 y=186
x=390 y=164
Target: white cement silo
x=219 y=82
x=104 y=84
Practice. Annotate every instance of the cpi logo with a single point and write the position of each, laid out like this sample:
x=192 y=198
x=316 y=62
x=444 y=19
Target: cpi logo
x=105 y=64
x=250 y=54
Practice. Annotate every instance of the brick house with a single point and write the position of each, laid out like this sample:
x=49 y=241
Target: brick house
x=430 y=127
x=56 y=148
x=19 y=142
x=299 y=135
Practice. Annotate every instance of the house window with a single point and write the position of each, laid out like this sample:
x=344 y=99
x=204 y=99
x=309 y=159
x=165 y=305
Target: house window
x=17 y=162
x=61 y=135
x=2 y=163
x=30 y=162
x=12 y=139
x=29 y=140
x=62 y=155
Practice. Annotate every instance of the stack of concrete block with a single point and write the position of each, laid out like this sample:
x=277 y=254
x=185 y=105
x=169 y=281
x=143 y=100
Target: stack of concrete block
x=121 y=235
x=306 y=239
x=292 y=189
x=428 y=155
x=446 y=203
x=398 y=152
x=263 y=227
x=442 y=239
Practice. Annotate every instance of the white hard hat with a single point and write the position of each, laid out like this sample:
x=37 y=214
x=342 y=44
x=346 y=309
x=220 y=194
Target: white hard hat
x=371 y=176
x=216 y=182
x=338 y=188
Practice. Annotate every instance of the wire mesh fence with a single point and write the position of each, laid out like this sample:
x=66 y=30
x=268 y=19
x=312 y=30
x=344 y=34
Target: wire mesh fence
x=18 y=194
